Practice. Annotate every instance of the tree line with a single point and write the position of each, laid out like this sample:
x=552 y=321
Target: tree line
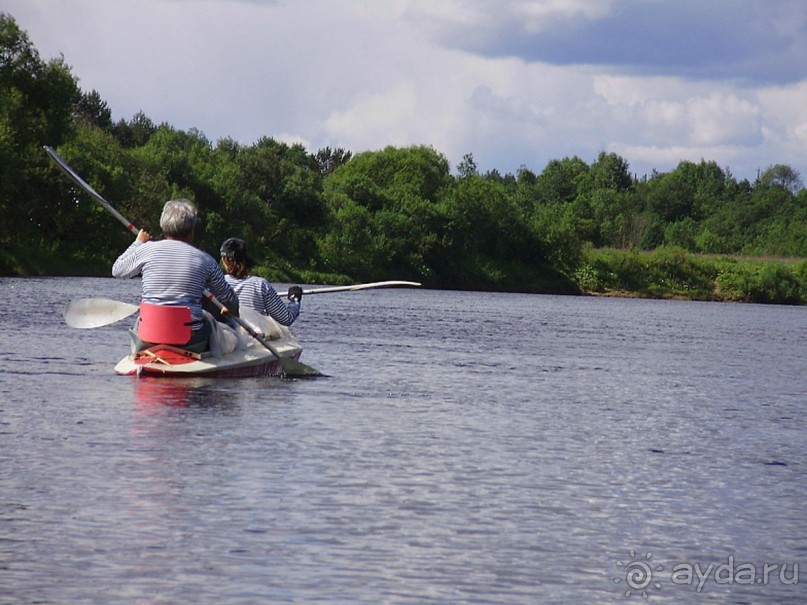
x=334 y=217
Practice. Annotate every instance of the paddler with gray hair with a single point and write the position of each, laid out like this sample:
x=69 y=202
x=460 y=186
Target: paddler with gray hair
x=175 y=273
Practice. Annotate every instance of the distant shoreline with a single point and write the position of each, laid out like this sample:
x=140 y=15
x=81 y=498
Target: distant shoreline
x=663 y=274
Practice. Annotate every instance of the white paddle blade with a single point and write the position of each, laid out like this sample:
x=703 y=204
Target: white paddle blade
x=96 y=312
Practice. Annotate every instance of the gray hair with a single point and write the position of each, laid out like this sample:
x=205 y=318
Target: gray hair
x=178 y=219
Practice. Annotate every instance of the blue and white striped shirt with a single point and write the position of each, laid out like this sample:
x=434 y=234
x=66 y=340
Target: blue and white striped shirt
x=175 y=273
x=255 y=292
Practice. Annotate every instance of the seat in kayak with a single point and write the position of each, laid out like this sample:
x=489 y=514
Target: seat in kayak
x=164 y=324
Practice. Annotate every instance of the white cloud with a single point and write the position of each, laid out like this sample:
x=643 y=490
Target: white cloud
x=785 y=114
x=800 y=134
x=670 y=156
x=721 y=119
x=675 y=111
x=292 y=139
x=390 y=111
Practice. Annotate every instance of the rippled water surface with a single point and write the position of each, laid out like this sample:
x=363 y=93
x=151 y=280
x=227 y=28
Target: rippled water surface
x=465 y=448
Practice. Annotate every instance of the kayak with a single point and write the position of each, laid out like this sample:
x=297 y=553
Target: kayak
x=167 y=360
x=245 y=357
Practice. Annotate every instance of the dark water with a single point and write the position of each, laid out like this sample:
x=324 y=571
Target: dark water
x=466 y=448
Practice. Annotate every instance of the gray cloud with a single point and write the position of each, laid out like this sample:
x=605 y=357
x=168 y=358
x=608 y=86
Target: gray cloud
x=760 y=41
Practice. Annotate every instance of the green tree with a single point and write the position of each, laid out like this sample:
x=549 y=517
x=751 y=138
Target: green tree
x=401 y=189
x=282 y=187
x=782 y=175
x=348 y=246
x=558 y=237
x=94 y=110
x=136 y=132
x=611 y=171
x=672 y=196
x=329 y=159
x=467 y=167
x=37 y=100
x=560 y=179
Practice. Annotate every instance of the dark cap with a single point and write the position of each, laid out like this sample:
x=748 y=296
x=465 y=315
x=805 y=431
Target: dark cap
x=235 y=250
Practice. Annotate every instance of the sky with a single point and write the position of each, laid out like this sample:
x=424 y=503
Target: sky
x=516 y=83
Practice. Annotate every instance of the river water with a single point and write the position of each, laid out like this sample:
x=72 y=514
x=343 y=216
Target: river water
x=464 y=448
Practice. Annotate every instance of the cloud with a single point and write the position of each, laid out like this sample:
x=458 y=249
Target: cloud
x=668 y=111
x=390 y=110
x=514 y=82
x=750 y=41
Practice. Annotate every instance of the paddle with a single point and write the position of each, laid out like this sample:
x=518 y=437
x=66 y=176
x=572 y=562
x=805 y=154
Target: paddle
x=96 y=312
x=86 y=187
x=291 y=367
x=378 y=284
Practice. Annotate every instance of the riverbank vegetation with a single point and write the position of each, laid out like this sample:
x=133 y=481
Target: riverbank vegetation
x=332 y=216
x=675 y=273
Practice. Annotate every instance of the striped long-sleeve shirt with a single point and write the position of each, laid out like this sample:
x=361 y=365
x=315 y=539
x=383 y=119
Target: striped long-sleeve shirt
x=254 y=292
x=175 y=273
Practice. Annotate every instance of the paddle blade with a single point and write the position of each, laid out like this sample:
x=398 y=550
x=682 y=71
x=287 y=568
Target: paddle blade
x=96 y=312
x=297 y=369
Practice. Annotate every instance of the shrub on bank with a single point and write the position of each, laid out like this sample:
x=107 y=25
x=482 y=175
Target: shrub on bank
x=763 y=282
x=675 y=273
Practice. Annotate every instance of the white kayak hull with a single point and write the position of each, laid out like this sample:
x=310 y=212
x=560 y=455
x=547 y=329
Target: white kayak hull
x=253 y=361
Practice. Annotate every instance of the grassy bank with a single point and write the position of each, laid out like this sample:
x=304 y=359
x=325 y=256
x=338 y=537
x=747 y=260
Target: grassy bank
x=675 y=273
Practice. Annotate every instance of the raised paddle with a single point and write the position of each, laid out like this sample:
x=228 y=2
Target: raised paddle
x=86 y=187
x=291 y=367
